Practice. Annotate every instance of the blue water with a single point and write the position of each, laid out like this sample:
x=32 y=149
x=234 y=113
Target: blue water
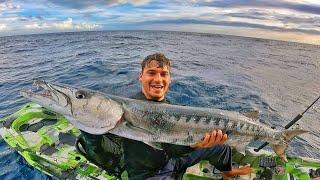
x=280 y=79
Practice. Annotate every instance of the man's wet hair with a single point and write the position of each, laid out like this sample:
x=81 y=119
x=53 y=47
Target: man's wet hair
x=159 y=57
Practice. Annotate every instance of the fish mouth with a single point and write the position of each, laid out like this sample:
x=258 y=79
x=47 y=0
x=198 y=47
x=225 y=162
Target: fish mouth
x=51 y=96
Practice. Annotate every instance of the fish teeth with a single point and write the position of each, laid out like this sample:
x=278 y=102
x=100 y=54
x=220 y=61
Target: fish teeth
x=46 y=93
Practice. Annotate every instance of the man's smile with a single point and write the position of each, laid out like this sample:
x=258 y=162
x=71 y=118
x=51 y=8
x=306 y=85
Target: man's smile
x=156 y=86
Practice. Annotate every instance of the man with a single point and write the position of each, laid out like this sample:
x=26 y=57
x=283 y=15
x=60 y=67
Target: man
x=142 y=161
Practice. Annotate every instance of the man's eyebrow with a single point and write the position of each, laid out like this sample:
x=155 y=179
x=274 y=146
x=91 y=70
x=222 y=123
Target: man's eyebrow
x=151 y=71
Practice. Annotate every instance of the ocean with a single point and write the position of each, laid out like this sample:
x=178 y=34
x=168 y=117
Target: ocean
x=278 y=78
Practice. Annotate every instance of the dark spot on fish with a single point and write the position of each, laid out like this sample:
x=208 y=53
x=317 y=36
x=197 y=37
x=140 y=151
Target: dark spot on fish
x=188 y=139
x=197 y=119
x=189 y=118
x=47 y=149
x=66 y=138
x=177 y=117
x=257 y=129
x=159 y=121
x=36 y=126
x=226 y=122
x=7 y=124
x=156 y=121
x=256 y=138
x=207 y=120
x=234 y=125
x=217 y=121
x=174 y=140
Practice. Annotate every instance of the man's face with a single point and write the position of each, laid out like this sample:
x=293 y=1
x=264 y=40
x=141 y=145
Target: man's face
x=155 y=81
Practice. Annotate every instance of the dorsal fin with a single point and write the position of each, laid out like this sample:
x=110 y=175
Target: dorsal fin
x=254 y=115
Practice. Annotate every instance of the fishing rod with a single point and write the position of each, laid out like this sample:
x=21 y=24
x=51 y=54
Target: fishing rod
x=299 y=116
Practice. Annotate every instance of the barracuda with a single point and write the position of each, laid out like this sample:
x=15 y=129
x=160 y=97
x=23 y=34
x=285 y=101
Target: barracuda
x=152 y=122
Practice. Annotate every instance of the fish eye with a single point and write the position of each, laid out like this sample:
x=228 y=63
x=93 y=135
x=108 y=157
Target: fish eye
x=80 y=95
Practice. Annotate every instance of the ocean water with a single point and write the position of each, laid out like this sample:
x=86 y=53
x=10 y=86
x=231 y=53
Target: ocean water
x=280 y=79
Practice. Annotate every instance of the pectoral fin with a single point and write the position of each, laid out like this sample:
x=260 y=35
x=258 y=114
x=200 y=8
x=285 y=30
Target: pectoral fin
x=146 y=133
x=138 y=129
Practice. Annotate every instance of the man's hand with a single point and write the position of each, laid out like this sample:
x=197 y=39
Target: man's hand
x=237 y=172
x=211 y=139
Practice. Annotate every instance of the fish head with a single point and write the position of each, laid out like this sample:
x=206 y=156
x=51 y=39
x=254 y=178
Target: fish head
x=88 y=110
x=53 y=97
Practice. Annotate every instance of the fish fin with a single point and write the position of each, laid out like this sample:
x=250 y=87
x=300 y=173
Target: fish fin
x=241 y=148
x=288 y=135
x=253 y=115
x=280 y=150
x=291 y=133
x=84 y=127
x=154 y=145
x=138 y=129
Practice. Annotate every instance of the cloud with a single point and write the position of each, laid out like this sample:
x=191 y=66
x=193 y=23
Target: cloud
x=61 y=25
x=270 y=19
x=8 y=6
x=293 y=5
x=37 y=25
x=231 y=24
x=58 y=15
x=3 y=27
x=82 y=4
x=69 y=24
x=239 y=31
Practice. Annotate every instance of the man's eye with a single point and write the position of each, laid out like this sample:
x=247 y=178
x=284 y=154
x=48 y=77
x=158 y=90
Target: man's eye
x=151 y=73
x=164 y=74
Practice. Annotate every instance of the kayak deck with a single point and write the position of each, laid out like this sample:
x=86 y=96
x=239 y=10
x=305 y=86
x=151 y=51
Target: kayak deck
x=47 y=141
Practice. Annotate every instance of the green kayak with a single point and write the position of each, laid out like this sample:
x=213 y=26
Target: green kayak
x=47 y=142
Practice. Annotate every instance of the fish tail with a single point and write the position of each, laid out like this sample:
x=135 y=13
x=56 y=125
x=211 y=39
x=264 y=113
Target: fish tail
x=288 y=135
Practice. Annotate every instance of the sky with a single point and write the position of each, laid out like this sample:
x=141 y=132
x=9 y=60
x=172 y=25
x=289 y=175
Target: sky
x=289 y=20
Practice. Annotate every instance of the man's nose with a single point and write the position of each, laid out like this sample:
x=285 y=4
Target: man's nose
x=158 y=77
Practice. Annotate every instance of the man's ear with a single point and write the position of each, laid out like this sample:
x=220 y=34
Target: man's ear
x=140 y=76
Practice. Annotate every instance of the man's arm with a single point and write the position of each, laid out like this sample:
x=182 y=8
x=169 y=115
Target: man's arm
x=211 y=139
